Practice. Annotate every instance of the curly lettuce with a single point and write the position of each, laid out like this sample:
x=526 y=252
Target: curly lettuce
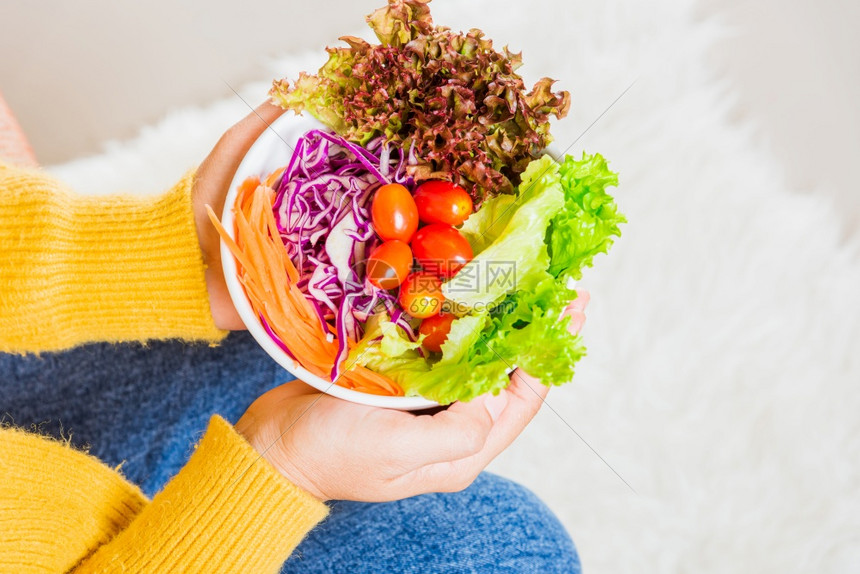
x=590 y=219
x=450 y=99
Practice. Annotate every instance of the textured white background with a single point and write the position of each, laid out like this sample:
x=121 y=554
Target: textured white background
x=80 y=73
x=723 y=331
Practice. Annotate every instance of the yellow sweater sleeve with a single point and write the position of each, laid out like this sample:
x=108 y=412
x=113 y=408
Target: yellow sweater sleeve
x=76 y=269
x=226 y=511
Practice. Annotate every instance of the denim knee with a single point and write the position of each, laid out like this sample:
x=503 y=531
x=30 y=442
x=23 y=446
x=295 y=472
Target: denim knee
x=495 y=525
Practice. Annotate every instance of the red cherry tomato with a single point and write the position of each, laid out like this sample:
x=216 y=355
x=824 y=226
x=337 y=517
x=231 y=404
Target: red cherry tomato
x=421 y=295
x=435 y=330
x=441 y=249
x=394 y=213
x=442 y=202
x=388 y=265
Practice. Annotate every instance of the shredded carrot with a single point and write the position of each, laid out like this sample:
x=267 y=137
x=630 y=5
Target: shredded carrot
x=270 y=281
x=247 y=188
x=274 y=177
x=362 y=379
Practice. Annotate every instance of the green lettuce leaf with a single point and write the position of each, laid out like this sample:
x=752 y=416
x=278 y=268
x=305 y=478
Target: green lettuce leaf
x=465 y=333
x=395 y=342
x=386 y=349
x=590 y=219
x=450 y=382
x=527 y=331
x=485 y=225
x=318 y=94
x=523 y=331
x=460 y=376
x=518 y=258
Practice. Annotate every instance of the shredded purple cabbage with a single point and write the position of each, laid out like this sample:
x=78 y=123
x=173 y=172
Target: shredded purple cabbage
x=322 y=208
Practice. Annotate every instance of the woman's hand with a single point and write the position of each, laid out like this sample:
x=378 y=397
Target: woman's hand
x=335 y=449
x=210 y=188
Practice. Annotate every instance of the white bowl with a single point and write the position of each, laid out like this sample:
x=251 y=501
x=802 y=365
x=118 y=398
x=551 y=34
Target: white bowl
x=271 y=151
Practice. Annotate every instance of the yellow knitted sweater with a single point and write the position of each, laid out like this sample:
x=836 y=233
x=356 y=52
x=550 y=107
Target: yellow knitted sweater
x=75 y=269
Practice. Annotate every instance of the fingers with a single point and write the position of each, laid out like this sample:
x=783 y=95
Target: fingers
x=581 y=301
x=458 y=432
x=526 y=396
x=217 y=170
x=268 y=112
x=471 y=434
x=14 y=146
x=210 y=188
x=271 y=400
x=577 y=321
x=523 y=399
x=251 y=126
x=576 y=311
x=528 y=390
x=290 y=389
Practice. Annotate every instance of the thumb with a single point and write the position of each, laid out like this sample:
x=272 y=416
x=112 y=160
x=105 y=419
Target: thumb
x=458 y=432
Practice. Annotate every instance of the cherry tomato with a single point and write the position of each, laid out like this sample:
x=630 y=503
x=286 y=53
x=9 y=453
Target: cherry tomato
x=394 y=213
x=436 y=329
x=442 y=202
x=421 y=295
x=389 y=264
x=441 y=249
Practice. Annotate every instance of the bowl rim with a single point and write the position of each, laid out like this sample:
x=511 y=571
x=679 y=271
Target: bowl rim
x=277 y=134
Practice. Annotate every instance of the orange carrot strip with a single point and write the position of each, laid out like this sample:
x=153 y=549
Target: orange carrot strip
x=254 y=242
x=363 y=379
x=249 y=185
x=274 y=176
x=272 y=226
x=231 y=245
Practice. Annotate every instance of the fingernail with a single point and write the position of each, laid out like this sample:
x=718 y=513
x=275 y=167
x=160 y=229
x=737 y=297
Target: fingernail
x=495 y=404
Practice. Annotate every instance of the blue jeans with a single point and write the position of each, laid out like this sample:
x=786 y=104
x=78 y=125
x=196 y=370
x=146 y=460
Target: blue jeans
x=145 y=407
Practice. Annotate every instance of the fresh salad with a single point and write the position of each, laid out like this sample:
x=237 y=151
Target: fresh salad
x=423 y=243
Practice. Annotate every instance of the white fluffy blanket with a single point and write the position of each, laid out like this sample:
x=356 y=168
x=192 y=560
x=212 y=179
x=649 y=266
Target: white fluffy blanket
x=724 y=333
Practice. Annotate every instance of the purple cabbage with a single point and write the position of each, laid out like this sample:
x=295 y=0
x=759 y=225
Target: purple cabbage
x=322 y=208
